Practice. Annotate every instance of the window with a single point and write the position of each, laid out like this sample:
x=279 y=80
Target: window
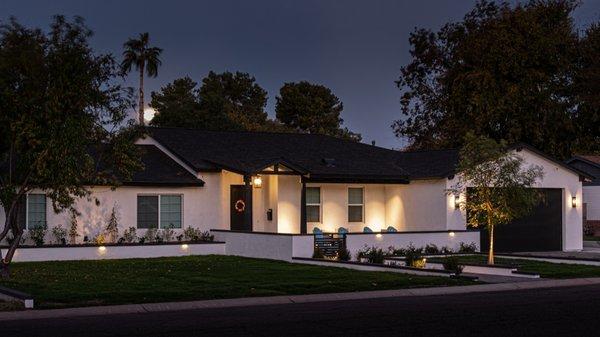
x=33 y=211
x=355 y=204
x=313 y=204
x=159 y=211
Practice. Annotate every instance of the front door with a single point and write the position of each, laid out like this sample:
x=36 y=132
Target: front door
x=238 y=208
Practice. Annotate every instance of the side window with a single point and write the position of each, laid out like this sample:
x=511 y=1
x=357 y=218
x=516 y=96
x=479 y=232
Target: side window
x=356 y=204
x=313 y=204
x=147 y=211
x=170 y=211
x=36 y=211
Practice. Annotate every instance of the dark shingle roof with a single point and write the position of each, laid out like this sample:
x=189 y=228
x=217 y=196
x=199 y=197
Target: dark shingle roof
x=429 y=163
x=588 y=164
x=160 y=169
x=248 y=152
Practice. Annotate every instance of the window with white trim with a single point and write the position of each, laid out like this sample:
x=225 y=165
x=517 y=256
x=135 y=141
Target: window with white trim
x=32 y=211
x=313 y=204
x=356 y=204
x=159 y=211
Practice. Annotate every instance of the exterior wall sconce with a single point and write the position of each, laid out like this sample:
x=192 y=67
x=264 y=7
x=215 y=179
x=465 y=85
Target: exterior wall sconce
x=456 y=201
x=257 y=181
x=574 y=202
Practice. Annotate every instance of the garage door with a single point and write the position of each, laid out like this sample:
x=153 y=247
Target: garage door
x=540 y=231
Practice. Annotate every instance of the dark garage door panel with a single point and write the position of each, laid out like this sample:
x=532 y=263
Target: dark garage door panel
x=539 y=231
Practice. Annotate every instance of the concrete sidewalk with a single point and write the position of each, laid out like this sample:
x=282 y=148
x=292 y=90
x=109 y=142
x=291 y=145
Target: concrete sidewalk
x=256 y=301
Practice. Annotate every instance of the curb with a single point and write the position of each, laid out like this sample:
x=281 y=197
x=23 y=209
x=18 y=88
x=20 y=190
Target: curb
x=291 y=299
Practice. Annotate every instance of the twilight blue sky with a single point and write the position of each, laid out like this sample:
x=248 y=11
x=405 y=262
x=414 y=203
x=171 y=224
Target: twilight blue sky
x=354 y=47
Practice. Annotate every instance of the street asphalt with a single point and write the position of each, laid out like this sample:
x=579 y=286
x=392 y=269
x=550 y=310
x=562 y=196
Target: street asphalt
x=566 y=311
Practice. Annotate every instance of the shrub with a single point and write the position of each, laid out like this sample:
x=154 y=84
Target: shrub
x=159 y=236
x=112 y=228
x=412 y=255
x=130 y=235
x=317 y=253
x=446 y=250
x=180 y=237
x=343 y=254
x=60 y=235
x=73 y=232
x=192 y=234
x=168 y=234
x=372 y=254
x=588 y=229
x=451 y=264
x=150 y=235
x=38 y=235
x=431 y=249
x=393 y=251
x=207 y=237
x=467 y=248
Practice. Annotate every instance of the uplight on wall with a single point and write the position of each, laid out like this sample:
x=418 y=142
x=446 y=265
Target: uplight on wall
x=184 y=246
x=102 y=250
x=574 y=202
x=257 y=181
x=378 y=235
x=451 y=234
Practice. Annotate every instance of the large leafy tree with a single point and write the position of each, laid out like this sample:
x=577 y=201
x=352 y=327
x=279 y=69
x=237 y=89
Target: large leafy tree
x=233 y=101
x=177 y=104
x=312 y=108
x=138 y=54
x=505 y=71
x=62 y=119
x=498 y=186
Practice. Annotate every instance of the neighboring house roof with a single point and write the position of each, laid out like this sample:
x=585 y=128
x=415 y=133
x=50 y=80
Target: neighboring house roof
x=320 y=157
x=589 y=164
x=160 y=169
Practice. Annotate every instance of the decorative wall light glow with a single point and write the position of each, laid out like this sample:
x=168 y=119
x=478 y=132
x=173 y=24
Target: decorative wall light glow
x=184 y=246
x=257 y=181
x=451 y=234
x=378 y=235
x=574 y=202
x=456 y=201
x=102 y=249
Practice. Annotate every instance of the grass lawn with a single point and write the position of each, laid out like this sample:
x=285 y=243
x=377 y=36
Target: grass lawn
x=85 y=283
x=545 y=269
x=591 y=238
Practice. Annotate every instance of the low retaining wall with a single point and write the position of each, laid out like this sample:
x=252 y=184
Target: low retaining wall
x=450 y=239
x=265 y=245
x=57 y=253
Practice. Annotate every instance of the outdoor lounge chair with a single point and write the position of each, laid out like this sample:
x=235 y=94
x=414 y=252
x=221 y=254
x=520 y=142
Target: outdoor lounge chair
x=342 y=231
x=318 y=233
x=367 y=230
x=391 y=229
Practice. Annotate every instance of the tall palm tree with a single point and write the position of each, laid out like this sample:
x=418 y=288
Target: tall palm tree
x=138 y=54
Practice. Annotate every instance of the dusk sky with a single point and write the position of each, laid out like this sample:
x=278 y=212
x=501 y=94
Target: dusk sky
x=353 y=47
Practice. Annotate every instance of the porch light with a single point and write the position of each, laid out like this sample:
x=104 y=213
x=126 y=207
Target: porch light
x=574 y=202
x=456 y=201
x=257 y=181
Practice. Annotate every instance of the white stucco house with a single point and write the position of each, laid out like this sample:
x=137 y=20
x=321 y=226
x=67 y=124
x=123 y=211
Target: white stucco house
x=293 y=183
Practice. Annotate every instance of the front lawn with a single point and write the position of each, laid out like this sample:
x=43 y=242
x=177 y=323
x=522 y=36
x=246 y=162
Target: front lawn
x=104 y=282
x=545 y=269
x=591 y=238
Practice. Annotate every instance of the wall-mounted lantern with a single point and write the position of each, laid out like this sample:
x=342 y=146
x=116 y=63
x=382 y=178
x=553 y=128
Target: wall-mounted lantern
x=456 y=201
x=574 y=202
x=257 y=181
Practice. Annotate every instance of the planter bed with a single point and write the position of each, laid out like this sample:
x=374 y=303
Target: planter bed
x=115 y=251
x=472 y=268
x=376 y=267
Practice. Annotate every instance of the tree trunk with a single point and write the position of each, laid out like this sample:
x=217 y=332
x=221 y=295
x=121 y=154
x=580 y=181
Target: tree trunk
x=491 y=251
x=10 y=224
x=141 y=104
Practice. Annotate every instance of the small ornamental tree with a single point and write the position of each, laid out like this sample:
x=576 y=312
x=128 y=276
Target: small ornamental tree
x=499 y=187
x=63 y=120
x=112 y=228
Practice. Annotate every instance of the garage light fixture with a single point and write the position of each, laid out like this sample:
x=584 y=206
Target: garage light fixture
x=456 y=201
x=574 y=202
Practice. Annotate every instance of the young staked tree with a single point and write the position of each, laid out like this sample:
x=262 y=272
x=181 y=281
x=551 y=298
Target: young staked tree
x=144 y=58
x=499 y=189
x=62 y=120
